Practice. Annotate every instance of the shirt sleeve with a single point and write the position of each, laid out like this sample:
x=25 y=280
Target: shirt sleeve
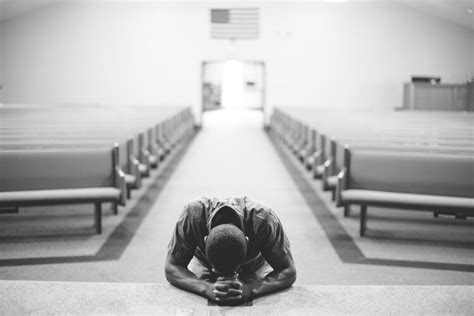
x=273 y=239
x=182 y=244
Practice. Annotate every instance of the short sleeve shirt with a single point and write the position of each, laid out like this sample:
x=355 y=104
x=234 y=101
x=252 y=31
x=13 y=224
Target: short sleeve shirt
x=261 y=226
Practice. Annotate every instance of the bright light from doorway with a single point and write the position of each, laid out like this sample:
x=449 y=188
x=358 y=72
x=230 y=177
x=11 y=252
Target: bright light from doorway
x=233 y=84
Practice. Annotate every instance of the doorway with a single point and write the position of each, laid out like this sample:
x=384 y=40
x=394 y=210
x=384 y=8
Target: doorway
x=233 y=84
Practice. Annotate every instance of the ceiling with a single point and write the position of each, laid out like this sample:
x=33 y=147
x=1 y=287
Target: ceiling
x=11 y=8
x=456 y=11
x=459 y=12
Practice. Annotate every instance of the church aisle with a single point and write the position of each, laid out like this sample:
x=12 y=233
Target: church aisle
x=232 y=156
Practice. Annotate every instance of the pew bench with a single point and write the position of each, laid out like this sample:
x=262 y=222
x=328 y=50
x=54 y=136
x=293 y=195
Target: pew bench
x=62 y=176
x=127 y=162
x=410 y=181
x=335 y=158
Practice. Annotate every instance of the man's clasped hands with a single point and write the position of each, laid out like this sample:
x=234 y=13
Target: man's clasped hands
x=231 y=291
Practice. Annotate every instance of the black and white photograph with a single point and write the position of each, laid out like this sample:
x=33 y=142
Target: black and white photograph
x=202 y=157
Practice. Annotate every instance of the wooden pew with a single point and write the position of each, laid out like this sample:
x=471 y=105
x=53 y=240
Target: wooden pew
x=62 y=176
x=415 y=135
x=438 y=138
x=34 y=135
x=127 y=160
x=138 y=159
x=412 y=181
x=335 y=158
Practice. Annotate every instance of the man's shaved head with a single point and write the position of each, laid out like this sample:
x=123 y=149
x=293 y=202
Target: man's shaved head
x=226 y=247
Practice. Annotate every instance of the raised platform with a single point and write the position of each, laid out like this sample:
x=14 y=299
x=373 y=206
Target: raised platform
x=20 y=297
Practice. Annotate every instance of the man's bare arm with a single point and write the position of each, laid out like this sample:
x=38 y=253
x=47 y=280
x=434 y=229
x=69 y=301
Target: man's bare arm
x=178 y=275
x=282 y=276
x=222 y=291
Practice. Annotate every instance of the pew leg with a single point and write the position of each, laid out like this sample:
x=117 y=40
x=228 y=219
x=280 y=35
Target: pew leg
x=347 y=209
x=115 y=208
x=129 y=192
x=98 y=217
x=363 y=220
x=333 y=194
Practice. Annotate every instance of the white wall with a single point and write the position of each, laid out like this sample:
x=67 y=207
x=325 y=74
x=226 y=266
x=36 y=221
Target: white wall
x=320 y=54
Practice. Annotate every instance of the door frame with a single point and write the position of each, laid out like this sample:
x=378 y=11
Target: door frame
x=264 y=80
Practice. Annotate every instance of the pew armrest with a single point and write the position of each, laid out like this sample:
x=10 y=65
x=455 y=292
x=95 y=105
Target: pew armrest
x=317 y=156
x=121 y=185
x=325 y=174
x=313 y=159
x=153 y=148
x=145 y=161
x=144 y=154
x=309 y=150
x=341 y=186
x=136 y=172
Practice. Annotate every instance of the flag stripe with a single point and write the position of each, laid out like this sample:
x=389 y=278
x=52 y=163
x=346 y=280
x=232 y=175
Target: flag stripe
x=234 y=23
x=233 y=27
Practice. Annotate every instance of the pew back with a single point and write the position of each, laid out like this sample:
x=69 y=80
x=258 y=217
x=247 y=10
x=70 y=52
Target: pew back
x=22 y=170
x=418 y=173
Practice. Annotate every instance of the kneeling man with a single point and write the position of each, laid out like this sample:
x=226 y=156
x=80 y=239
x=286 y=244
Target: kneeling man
x=229 y=251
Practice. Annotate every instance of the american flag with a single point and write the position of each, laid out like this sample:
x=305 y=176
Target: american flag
x=236 y=23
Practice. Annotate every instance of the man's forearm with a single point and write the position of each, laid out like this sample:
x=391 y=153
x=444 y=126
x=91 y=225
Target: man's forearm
x=275 y=281
x=186 y=280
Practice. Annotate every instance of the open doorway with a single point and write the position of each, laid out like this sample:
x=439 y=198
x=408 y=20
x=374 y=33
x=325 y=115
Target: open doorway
x=233 y=84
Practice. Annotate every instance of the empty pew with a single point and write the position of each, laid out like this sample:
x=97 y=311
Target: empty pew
x=335 y=158
x=43 y=131
x=413 y=181
x=52 y=177
x=127 y=161
x=438 y=134
x=305 y=142
x=138 y=155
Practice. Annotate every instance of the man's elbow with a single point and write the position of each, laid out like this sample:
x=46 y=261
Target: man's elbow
x=291 y=274
x=170 y=271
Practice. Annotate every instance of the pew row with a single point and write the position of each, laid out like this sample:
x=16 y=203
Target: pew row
x=410 y=181
x=34 y=141
x=318 y=139
x=335 y=155
x=139 y=151
x=62 y=176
